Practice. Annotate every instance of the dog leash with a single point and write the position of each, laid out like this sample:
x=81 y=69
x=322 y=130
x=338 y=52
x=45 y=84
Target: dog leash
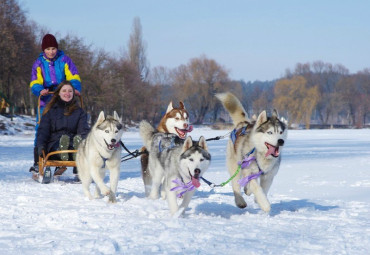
x=218 y=137
x=133 y=154
x=247 y=160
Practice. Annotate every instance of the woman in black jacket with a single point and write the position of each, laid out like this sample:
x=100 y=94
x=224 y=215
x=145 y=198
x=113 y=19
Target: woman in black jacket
x=63 y=124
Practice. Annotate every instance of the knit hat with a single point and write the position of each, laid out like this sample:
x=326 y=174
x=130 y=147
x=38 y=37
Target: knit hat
x=49 y=41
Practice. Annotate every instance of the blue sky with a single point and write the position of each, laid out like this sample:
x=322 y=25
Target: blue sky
x=254 y=40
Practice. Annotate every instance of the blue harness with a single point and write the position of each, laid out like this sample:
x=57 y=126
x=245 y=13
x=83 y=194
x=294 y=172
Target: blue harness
x=234 y=134
x=169 y=147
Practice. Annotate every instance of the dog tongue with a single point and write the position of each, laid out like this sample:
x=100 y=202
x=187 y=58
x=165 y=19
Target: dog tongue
x=190 y=128
x=195 y=182
x=272 y=150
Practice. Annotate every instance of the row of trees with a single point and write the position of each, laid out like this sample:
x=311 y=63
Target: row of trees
x=318 y=92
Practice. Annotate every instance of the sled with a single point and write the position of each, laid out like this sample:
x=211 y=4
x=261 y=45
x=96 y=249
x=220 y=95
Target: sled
x=46 y=163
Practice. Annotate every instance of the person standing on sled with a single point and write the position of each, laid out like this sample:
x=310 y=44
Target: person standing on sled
x=63 y=124
x=50 y=69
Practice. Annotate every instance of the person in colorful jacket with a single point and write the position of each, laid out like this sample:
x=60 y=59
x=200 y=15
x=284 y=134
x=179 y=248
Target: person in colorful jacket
x=50 y=69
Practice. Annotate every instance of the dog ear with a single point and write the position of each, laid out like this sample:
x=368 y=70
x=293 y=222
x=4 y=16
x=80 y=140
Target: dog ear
x=101 y=118
x=202 y=143
x=187 y=144
x=182 y=106
x=275 y=114
x=116 y=117
x=170 y=107
x=262 y=118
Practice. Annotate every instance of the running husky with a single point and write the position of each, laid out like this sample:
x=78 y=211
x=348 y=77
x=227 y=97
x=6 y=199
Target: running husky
x=256 y=146
x=175 y=121
x=176 y=162
x=101 y=151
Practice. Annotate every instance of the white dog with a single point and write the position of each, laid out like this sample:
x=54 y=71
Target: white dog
x=255 y=146
x=101 y=151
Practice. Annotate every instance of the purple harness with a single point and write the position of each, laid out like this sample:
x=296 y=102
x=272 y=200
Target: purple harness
x=183 y=187
x=244 y=164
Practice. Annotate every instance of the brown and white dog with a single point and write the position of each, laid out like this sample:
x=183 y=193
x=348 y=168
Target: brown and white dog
x=175 y=121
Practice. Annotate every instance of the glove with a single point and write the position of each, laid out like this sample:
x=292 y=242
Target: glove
x=39 y=150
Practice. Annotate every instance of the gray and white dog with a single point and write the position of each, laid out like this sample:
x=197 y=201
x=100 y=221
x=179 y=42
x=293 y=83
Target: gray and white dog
x=101 y=151
x=176 y=164
x=255 y=146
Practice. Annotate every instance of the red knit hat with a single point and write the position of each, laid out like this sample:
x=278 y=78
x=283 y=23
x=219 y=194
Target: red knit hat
x=49 y=41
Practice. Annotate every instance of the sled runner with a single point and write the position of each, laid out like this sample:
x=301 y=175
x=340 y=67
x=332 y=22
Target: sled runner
x=45 y=174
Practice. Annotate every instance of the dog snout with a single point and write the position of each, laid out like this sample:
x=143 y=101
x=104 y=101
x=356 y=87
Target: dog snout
x=186 y=125
x=113 y=140
x=280 y=142
x=196 y=171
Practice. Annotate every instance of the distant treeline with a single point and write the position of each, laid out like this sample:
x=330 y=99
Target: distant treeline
x=313 y=93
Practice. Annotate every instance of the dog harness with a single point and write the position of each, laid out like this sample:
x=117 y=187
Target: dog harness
x=169 y=147
x=182 y=187
x=104 y=160
x=237 y=132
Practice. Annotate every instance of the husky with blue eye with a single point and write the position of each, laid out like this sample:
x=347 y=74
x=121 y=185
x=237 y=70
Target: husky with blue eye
x=176 y=164
x=254 y=146
x=101 y=151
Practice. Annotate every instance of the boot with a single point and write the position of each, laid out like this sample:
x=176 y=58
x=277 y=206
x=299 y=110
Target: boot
x=35 y=167
x=76 y=178
x=59 y=170
x=64 y=145
x=76 y=141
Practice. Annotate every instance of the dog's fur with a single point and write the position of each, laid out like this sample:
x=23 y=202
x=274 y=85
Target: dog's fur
x=171 y=158
x=175 y=121
x=266 y=135
x=101 y=151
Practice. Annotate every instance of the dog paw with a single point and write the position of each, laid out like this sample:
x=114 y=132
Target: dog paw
x=240 y=202
x=112 y=198
x=179 y=213
x=248 y=192
x=154 y=197
x=106 y=192
x=266 y=207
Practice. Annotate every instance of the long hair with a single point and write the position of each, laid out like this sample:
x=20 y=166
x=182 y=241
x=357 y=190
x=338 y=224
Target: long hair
x=70 y=107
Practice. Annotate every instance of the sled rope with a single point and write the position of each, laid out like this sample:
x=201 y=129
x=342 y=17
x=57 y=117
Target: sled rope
x=218 y=137
x=133 y=154
x=243 y=164
x=136 y=153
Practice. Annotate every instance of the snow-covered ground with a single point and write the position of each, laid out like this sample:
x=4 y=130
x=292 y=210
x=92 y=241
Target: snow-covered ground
x=320 y=205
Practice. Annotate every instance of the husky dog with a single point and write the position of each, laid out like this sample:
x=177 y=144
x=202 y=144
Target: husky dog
x=101 y=151
x=176 y=162
x=175 y=121
x=255 y=146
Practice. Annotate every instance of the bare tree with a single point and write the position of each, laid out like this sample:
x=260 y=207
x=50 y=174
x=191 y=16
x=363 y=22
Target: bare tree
x=198 y=82
x=294 y=97
x=137 y=50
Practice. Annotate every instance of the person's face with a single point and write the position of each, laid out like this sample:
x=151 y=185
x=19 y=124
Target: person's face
x=50 y=52
x=66 y=93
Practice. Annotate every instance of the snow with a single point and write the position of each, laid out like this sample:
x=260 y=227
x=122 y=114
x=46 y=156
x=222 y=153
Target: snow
x=320 y=204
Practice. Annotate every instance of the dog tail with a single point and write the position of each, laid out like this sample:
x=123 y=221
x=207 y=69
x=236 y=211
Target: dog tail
x=146 y=133
x=232 y=104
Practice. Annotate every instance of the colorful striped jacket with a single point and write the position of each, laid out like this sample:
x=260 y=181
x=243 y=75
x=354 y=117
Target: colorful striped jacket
x=49 y=73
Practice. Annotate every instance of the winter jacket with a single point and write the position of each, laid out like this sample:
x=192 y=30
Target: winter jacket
x=47 y=74
x=54 y=124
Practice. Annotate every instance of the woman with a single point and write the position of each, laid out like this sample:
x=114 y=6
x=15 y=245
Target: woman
x=63 y=124
x=50 y=69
